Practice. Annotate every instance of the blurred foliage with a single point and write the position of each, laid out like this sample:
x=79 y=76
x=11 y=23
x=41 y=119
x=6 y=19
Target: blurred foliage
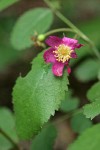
x=93 y=109
x=88 y=140
x=87 y=70
x=7 y=125
x=6 y=3
x=91 y=29
x=7 y=53
x=79 y=9
x=94 y=92
x=45 y=139
x=80 y=123
x=70 y=103
x=56 y=3
x=33 y=21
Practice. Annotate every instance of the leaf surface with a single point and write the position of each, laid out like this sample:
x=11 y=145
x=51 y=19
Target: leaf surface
x=35 y=20
x=88 y=140
x=45 y=139
x=37 y=96
x=7 y=125
x=6 y=3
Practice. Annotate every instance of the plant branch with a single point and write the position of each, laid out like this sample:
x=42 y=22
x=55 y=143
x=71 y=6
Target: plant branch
x=75 y=29
x=59 y=30
x=9 y=139
x=68 y=115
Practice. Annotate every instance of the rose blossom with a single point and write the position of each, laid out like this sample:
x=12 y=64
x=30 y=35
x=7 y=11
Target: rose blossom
x=60 y=52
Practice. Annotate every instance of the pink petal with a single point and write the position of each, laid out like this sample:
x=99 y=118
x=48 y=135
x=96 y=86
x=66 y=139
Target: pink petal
x=53 y=41
x=73 y=55
x=49 y=56
x=57 y=68
x=71 y=43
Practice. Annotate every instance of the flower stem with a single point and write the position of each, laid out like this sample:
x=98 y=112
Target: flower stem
x=59 y=30
x=9 y=139
x=74 y=28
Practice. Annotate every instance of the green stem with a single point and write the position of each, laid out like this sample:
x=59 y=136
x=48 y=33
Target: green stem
x=69 y=115
x=59 y=30
x=9 y=139
x=75 y=29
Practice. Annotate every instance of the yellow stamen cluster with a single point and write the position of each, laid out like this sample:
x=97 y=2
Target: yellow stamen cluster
x=63 y=53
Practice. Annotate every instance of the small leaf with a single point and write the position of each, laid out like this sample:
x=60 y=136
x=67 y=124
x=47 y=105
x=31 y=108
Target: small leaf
x=80 y=123
x=6 y=3
x=4 y=143
x=88 y=140
x=92 y=110
x=45 y=139
x=36 y=97
x=7 y=124
x=94 y=92
x=70 y=103
x=87 y=70
x=35 y=20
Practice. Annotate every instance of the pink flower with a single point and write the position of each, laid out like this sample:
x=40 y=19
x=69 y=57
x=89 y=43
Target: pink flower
x=60 y=52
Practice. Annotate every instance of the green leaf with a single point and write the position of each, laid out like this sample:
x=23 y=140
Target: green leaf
x=45 y=139
x=92 y=110
x=35 y=20
x=87 y=70
x=6 y=3
x=4 y=143
x=36 y=97
x=7 y=124
x=94 y=92
x=88 y=140
x=80 y=123
x=70 y=103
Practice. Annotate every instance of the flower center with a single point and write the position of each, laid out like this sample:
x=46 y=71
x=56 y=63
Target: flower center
x=63 y=53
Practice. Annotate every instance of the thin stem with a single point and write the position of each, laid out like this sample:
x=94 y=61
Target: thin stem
x=69 y=115
x=76 y=36
x=72 y=26
x=9 y=139
x=59 y=30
